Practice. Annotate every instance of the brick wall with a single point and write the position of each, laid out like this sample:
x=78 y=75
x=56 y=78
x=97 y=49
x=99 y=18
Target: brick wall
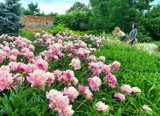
x=37 y=23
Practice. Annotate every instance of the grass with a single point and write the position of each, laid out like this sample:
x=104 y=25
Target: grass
x=138 y=69
x=158 y=43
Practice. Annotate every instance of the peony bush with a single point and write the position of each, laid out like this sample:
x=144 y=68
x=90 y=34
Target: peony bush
x=59 y=75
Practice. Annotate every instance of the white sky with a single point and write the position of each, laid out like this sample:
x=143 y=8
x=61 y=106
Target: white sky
x=59 y=6
x=47 y=6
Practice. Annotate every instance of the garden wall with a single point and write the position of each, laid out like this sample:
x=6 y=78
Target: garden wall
x=37 y=23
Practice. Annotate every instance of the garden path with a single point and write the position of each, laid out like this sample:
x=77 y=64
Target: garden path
x=149 y=47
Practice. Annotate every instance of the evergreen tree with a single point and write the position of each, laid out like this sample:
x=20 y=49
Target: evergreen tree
x=10 y=16
x=3 y=19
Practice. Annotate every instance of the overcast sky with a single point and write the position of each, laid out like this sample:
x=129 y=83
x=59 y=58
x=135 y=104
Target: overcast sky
x=59 y=6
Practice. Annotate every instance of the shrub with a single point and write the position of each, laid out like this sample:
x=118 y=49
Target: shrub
x=58 y=28
x=74 y=21
x=26 y=34
x=144 y=38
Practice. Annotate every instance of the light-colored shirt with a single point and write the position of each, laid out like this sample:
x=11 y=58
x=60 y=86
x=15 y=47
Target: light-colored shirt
x=122 y=34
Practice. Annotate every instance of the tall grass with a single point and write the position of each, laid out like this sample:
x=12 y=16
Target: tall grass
x=139 y=69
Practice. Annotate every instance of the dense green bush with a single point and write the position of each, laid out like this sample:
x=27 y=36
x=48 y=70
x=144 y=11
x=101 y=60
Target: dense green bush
x=26 y=34
x=144 y=38
x=58 y=28
x=75 y=21
x=158 y=43
x=62 y=28
x=152 y=22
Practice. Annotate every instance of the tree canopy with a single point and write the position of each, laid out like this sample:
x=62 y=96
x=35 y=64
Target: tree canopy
x=78 y=6
x=152 y=21
x=32 y=9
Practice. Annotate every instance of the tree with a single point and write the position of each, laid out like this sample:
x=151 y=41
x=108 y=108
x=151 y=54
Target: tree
x=110 y=13
x=152 y=21
x=10 y=16
x=32 y=10
x=78 y=6
x=52 y=14
x=75 y=21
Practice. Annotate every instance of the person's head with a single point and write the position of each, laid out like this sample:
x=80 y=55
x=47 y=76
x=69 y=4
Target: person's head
x=117 y=29
x=134 y=25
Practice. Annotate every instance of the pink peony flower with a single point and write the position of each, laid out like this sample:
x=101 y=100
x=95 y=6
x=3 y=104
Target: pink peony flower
x=147 y=109
x=115 y=65
x=13 y=66
x=2 y=55
x=82 y=88
x=136 y=90
x=15 y=52
x=106 y=69
x=89 y=94
x=92 y=58
x=22 y=67
x=102 y=58
x=19 y=78
x=50 y=78
x=42 y=64
x=31 y=48
x=120 y=96
x=37 y=35
x=94 y=83
x=37 y=78
x=57 y=73
x=31 y=67
x=75 y=63
x=67 y=77
x=60 y=102
x=101 y=106
x=111 y=80
x=5 y=68
x=6 y=80
x=70 y=55
x=12 y=58
x=126 y=88
x=86 y=91
x=55 y=58
x=71 y=92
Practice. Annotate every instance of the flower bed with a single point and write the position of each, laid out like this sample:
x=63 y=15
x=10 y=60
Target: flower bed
x=58 y=73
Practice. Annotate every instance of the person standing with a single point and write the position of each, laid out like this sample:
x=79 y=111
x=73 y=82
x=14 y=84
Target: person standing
x=133 y=34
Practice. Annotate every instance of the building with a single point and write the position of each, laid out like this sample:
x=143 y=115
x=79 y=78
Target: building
x=37 y=23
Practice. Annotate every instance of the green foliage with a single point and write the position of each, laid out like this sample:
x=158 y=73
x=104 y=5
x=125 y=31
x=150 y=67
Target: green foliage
x=152 y=22
x=52 y=14
x=24 y=102
x=138 y=68
x=10 y=16
x=74 y=21
x=108 y=14
x=58 y=28
x=78 y=6
x=26 y=34
x=144 y=38
x=33 y=10
x=158 y=44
